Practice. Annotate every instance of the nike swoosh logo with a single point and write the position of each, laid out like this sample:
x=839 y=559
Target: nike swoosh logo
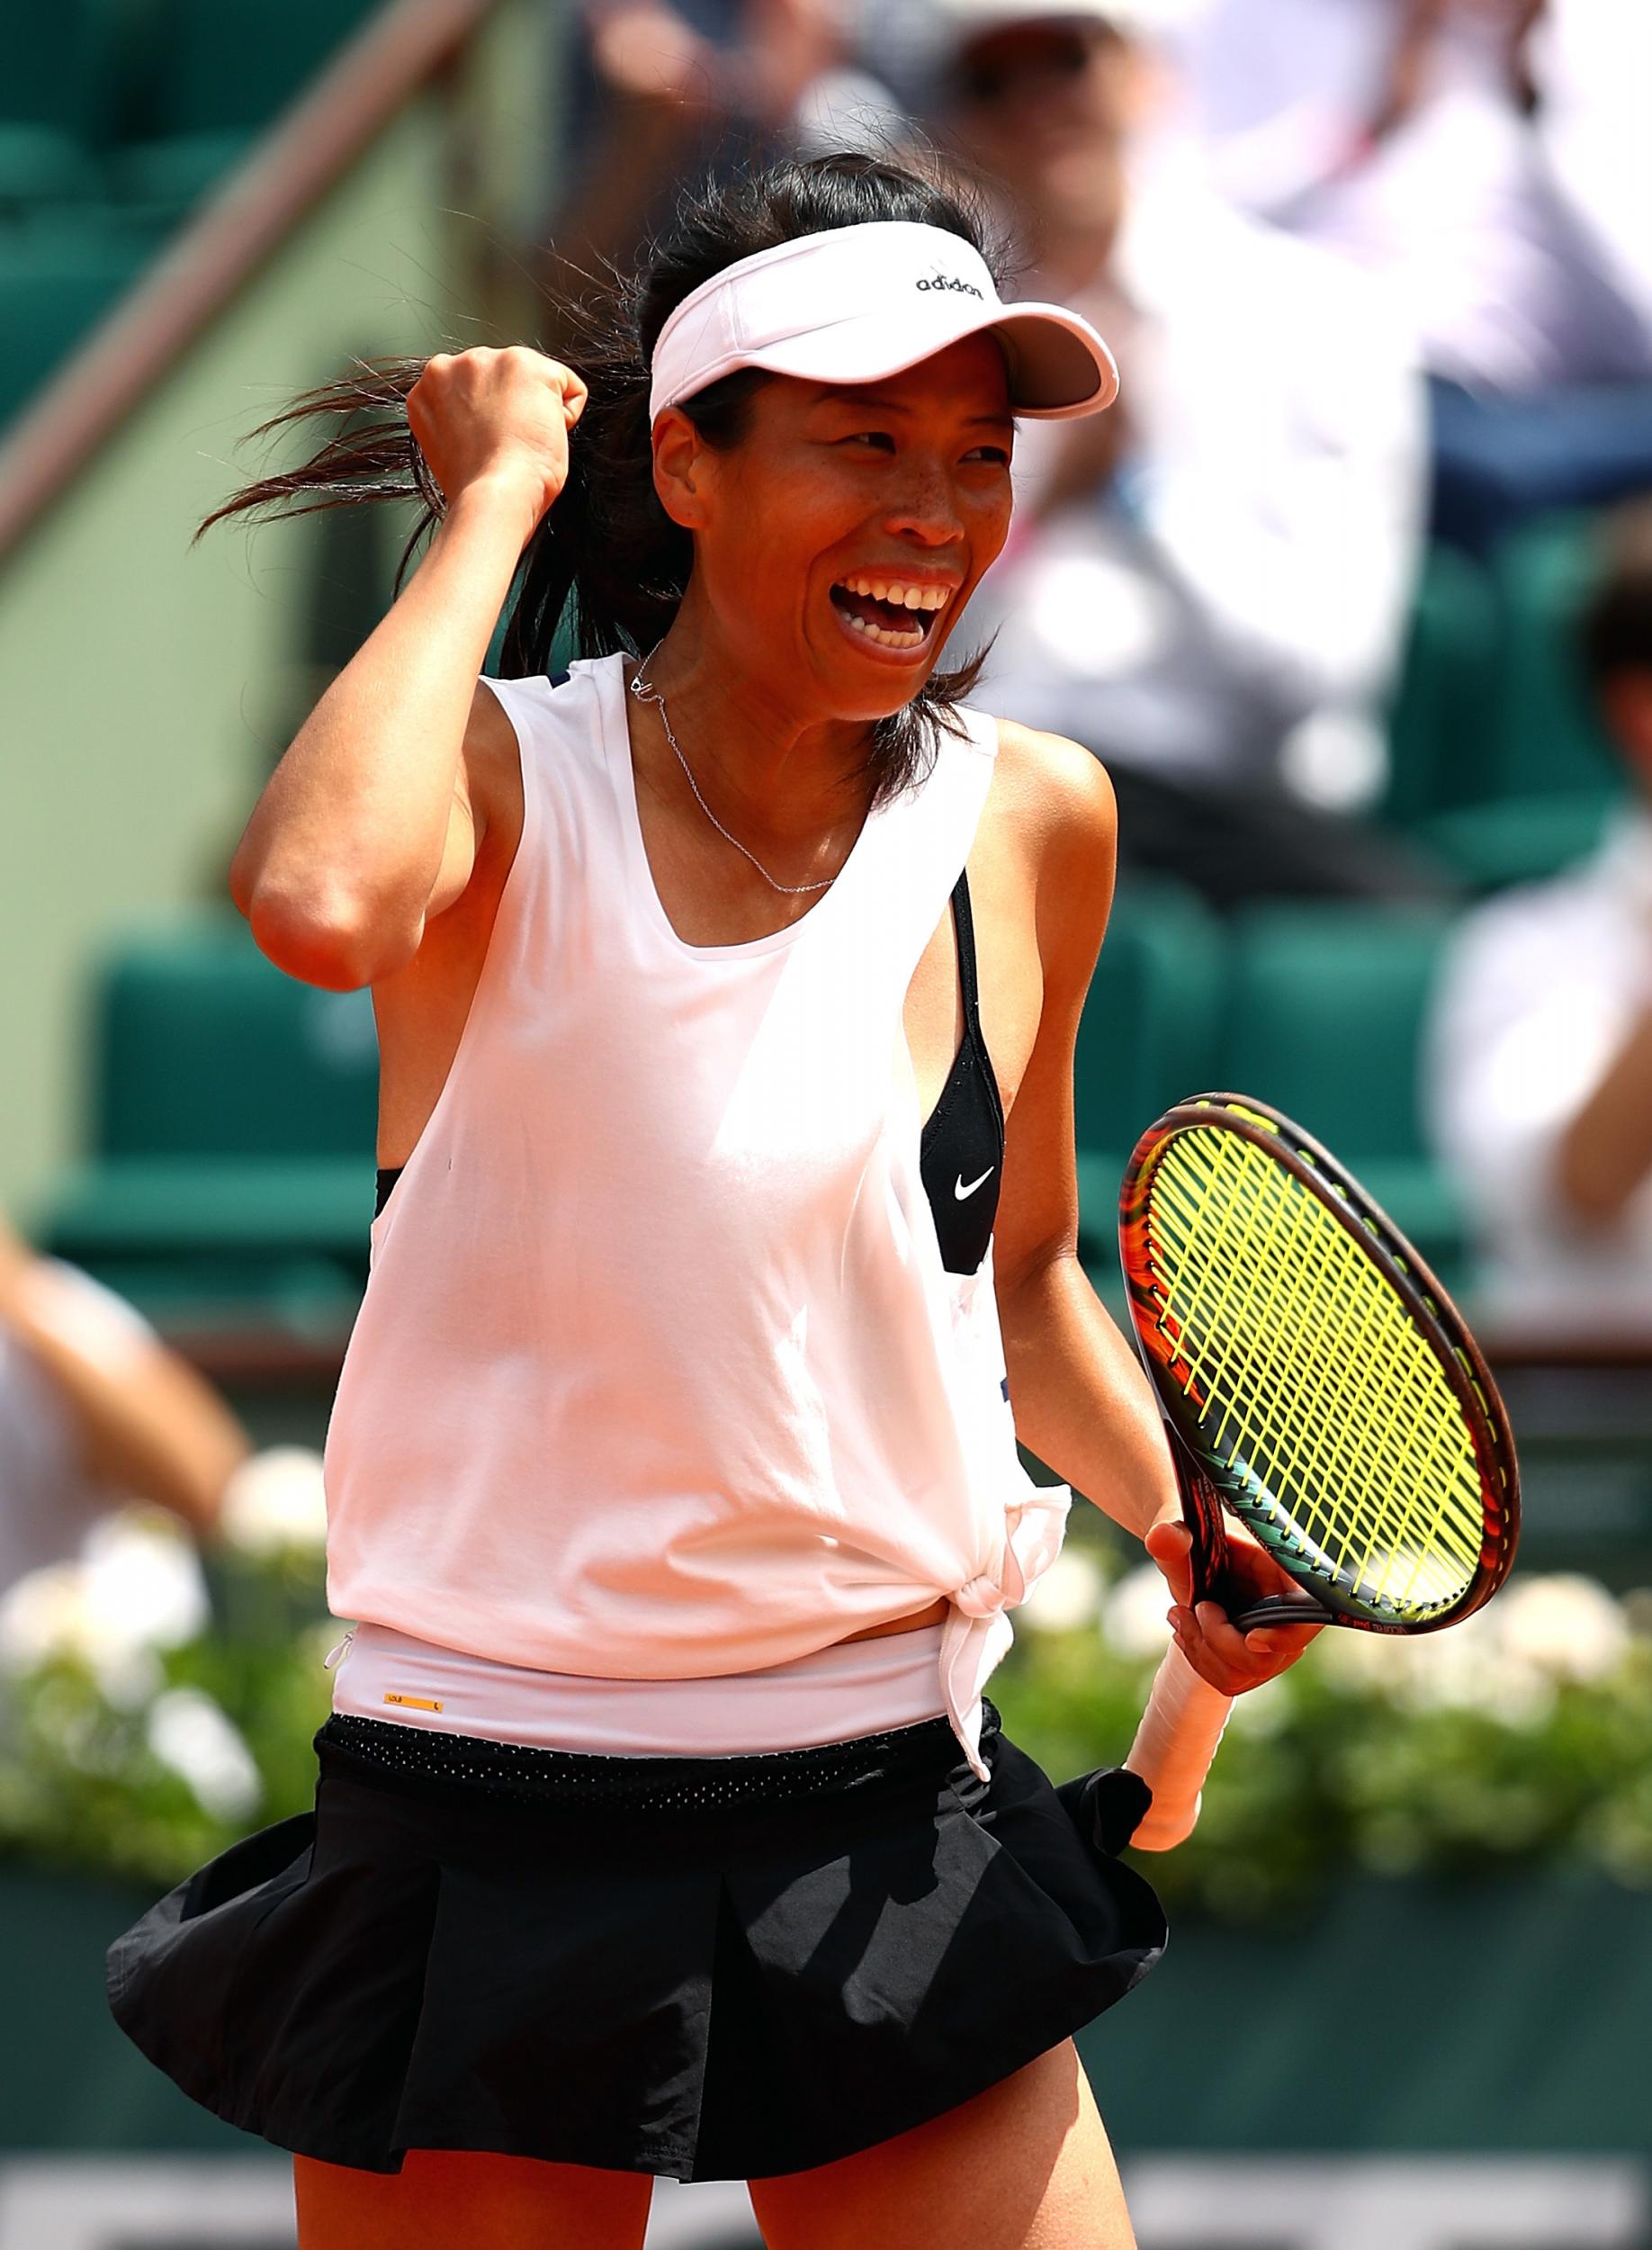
x=960 y=1191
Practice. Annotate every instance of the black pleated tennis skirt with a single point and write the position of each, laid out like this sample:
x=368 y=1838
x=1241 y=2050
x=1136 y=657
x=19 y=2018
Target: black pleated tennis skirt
x=706 y=1968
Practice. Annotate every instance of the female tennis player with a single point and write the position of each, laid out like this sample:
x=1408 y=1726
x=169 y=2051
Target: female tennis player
x=661 y=1826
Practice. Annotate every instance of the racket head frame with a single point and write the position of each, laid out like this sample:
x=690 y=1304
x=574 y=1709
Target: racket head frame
x=1428 y=1304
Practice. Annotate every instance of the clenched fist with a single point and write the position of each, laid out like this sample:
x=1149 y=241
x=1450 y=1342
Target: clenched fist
x=499 y=416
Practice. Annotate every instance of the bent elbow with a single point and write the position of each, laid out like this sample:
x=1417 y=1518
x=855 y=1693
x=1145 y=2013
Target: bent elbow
x=339 y=947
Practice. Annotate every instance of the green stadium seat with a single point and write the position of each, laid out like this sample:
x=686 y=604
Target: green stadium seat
x=1439 y=721
x=1522 y=839
x=203 y=81
x=132 y=1207
x=214 y=67
x=58 y=64
x=1537 y=779
x=1324 y=1015
x=206 y=1048
x=234 y=1113
x=57 y=278
x=1148 y=1036
x=41 y=167
x=1548 y=741
x=116 y=117
x=170 y=176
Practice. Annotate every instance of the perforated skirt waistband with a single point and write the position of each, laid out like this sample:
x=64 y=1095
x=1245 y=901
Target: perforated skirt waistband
x=427 y=1759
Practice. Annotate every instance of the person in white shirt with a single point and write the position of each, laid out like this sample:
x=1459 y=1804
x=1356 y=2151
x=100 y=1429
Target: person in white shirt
x=664 y=1385
x=1540 y=1048
x=1593 y=60
x=1418 y=140
x=94 y=1409
x=1211 y=590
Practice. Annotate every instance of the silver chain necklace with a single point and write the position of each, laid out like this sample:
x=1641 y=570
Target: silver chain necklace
x=645 y=691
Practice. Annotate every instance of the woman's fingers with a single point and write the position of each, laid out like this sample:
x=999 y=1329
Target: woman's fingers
x=488 y=412
x=1231 y=1660
x=1170 y=1547
x=1206 y=1635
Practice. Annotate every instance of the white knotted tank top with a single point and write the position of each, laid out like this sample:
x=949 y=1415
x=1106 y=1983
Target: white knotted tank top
x=659 y=1374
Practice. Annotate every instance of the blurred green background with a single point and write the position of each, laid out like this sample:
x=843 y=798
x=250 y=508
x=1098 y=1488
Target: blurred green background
x=1473 y=1833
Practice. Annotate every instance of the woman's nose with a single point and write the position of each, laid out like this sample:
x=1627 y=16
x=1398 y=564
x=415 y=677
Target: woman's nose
x=927 y=507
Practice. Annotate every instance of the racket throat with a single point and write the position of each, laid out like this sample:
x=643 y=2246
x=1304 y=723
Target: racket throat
x=1285 y=1609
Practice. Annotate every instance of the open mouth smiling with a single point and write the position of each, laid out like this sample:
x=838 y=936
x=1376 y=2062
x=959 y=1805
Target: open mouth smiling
x=888 y=611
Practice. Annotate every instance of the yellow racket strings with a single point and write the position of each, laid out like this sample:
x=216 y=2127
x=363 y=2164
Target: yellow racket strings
x=1273 y=1440
x=1271 y=1449
x=1315 y=1383
x=1271 y=1286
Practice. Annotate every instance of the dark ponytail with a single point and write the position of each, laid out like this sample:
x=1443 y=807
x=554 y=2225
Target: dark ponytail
x=605 y=558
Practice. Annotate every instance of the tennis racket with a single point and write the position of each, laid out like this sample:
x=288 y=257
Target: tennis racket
x=1317 y=1384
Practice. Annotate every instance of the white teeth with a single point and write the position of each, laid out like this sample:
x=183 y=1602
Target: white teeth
x=902 y=597
x=887 y=639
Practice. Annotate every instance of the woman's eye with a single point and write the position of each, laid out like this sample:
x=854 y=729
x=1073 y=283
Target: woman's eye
x=999 y=456
x=879 y=437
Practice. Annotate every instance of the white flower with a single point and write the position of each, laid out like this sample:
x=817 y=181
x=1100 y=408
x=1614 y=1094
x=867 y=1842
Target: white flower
x=189 y=1732
x=1505 y=1660
x=136 y=1587
x=1565 y=1625
x=1068 y=1595
x=1468 y=1668
x=276 y=1500
x=129 y=1677
x=44 y=1615
x=144 y=1581
x=1135 y=1615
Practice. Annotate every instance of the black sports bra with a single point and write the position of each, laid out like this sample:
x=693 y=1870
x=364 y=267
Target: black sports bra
x=962 y=1151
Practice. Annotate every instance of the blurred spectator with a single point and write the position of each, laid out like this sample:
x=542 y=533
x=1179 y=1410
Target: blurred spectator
x=1412 y=137
x=1540 y=1045
x=95 y=1411
x=1208 y=584
x=657 y=90
x=1593 y=60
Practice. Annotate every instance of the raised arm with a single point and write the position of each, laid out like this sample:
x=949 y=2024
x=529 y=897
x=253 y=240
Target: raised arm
x=365 y=829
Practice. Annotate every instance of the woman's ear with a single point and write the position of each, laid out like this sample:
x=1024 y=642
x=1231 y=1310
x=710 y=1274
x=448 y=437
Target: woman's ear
x=680 y=455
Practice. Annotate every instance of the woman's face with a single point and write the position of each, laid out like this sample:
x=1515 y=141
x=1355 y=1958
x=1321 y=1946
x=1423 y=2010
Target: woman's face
x=838 y=543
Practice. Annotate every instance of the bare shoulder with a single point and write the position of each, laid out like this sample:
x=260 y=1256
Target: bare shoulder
x=1059 y=798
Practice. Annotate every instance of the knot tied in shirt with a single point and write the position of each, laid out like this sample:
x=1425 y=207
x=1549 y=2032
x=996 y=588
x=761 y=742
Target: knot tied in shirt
x=984 y=1597
x=977 y=1633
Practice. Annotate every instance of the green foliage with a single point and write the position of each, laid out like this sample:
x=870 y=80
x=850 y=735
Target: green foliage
x=83 y=1781
x=1524 y=1735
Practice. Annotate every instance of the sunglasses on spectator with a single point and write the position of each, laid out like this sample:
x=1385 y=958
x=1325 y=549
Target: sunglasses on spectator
x=997 y=68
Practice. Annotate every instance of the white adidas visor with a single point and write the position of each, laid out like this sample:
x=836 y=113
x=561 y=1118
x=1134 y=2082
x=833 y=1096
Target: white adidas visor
x=858 y=305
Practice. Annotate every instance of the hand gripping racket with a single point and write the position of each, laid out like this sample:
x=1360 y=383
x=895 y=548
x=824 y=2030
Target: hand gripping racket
x=1318 y=1384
